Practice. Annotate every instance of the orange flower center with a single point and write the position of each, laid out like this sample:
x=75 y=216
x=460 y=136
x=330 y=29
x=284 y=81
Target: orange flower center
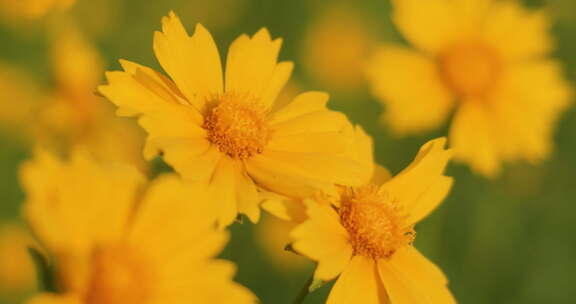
x=375 y=223
x=237 y=125
x=470 y=69
x=120 y=275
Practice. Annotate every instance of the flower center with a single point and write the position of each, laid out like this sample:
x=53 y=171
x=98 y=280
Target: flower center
x=120 y=275
x=237 y=125
x=470 y=69
x=375 y=223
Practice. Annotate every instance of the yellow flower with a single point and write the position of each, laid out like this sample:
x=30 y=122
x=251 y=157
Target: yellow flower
x=224 y=134
x=74 y=115
x=486 y=61
x=365 y=235
x=115 y=239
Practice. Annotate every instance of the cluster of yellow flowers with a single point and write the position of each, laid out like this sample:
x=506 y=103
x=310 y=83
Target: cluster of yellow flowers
x=112 y=236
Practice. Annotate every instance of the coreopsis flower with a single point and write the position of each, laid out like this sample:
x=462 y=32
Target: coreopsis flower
x=223 y=131
x=488 y=62
x=74 y=115
x=114 y=239
x=365 y=235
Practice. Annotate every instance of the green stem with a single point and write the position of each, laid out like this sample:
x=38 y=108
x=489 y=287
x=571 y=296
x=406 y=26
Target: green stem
x=304 y=291
x=44 y=271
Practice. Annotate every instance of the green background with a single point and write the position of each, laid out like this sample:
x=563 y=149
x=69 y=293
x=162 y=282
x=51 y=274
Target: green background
x=508 y=240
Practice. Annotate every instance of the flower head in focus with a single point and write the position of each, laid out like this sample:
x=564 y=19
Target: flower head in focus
x=489 y=63
x=220 y=129
x=364 y=236
x=114 y=239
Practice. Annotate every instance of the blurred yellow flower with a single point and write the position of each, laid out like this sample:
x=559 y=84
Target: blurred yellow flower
x=485 y=60
x=75 y=115
x=71 y=114
x=16 y=269
x=336 y=47
x=365 y=235
x=31 y=9
x=115 y=240
x=224 y=134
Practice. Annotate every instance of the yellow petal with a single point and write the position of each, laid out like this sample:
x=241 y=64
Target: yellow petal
x=287 y=209
x=213 y=286
x=181 y=128
x=320 y=170
x=137 y=93
x=77 y=64
x=192 y=62
x=409 y=85
x=362 y=151
x=66 y=200
x=472 y=138
x=528 y=134
x=305 y=103
x=278 y=80
x=323 y=239
x=246 y=195
x=194 y=159
x=155 y=80
x=359 y=283
x=277 y=207
x=432 y=25
x=188 y=235
x=517 y=32
x=251 y=67
x=410 y=278
x=222 y=188
x=281 y=178
x=381 y=175
x=315 y=122
x=414 y=262
x=422 y=185
x=313 y=142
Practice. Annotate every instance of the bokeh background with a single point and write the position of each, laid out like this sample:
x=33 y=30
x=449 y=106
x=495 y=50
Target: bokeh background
x=509 y=240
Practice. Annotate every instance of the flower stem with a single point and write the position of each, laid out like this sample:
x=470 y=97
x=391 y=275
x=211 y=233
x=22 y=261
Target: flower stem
x=304 y=291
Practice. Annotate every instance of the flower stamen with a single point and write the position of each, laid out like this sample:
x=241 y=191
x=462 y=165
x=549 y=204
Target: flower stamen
x=470 y=69
x=376 y=224
x=237 y=125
